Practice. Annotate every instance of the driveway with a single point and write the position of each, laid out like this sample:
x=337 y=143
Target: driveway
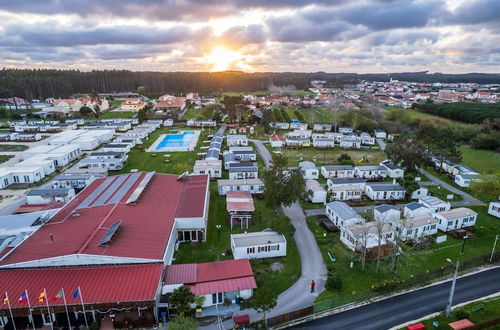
x=381 y=143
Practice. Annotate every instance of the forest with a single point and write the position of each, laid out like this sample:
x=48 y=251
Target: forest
x=44 y=83
x=472 y=113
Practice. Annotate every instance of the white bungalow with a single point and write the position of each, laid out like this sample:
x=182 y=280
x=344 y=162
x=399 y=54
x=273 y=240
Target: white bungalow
x=47 y=196
x=298 y=125
x=345 y=130
x=16 y=175
x=367 y=139
x=346 y=189
x=237 y=140
x=48 y=165
x=415 y=209
x=393 y=171
x=465 y=179
x=455 y=219
x=386 y=213
x=212 y=167
x=366 y=236
x=494 y=209
x=254 y=186
x=341 y=214
x=247 y=170
x=316 y=191
x=324 y=143
x=337 y=171
x=434 y=204
x=280 y=125
x=384 y=191
x=308 y=170
x=264 y=244
x=277 y=141
x=418 y=227
x=370 y=172
x=349 y=142
x=322 y=127
x=380 y=134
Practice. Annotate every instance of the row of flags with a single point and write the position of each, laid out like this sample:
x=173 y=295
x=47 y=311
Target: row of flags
x=42 y=298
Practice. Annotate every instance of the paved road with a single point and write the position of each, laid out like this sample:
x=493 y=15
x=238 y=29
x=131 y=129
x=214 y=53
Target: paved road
x=404 y=308
x=381 y=143
x=312 y=264
x=468 y=200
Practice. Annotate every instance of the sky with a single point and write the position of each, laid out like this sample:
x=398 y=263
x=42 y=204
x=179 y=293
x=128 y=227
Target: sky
x=449 y=36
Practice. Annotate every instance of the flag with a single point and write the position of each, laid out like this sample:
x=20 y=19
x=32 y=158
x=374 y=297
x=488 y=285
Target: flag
x=59 y=295
x=23 y=298
x=5 y=299
x=76 y=293
x=41 y=297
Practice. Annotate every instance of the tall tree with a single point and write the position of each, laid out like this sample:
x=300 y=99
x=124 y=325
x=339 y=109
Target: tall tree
x=181 y=299
x=141 y=90
x=408 y=152
x=267 y=118
x=334 y=282
x=282 y=186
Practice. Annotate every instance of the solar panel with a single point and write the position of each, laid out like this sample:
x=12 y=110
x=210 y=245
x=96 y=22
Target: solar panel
x=124 y=189
x=140 y=187
x=110 y=233
x=110 y=191
x=90 y=198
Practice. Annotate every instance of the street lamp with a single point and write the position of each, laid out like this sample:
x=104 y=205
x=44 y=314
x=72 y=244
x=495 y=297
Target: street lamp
x=463 y=245
x=218 y=232
x=494 y=246
x=452 y=290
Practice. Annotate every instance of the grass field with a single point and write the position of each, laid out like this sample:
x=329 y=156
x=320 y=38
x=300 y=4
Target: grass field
x=145 y=161
x=217 y=245
x=411 y=262
x=312 y=115
x=191 y=113
x=486 y=162
x=12 y=147
x=4 y=158
x=442 y=193
x=477 y=312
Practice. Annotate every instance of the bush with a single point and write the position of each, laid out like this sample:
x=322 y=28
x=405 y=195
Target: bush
x=299 y=116
x=485 y=141
x=285 y=115
x=461 y=314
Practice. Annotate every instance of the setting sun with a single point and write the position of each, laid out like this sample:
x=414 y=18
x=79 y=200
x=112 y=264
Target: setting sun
x=222 y=58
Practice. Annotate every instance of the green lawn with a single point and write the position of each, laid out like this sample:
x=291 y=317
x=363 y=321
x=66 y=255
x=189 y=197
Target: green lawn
x=4 y=158
x=442 y=193
x=215 y=246
x=483 y=161
x=12 y=147
x=191 y=113
x=145 y=161
x=411 y=262
x=313 y=115
x=118 y=114
x=477 y=312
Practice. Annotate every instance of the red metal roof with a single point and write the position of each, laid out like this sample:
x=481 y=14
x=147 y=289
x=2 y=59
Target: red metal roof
x=28 y=208
x=98 y=284
x=418 y=326
x=461 y=324
x=239 y=201
x=277 y=138
x=212 y=277
x=143 y=233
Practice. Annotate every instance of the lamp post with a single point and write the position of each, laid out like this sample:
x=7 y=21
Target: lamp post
x=452 y=290
x=463 y=245
x=494 y=246
x=218 y=232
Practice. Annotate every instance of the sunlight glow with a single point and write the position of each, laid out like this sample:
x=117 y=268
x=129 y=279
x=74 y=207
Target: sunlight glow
x=222 y=58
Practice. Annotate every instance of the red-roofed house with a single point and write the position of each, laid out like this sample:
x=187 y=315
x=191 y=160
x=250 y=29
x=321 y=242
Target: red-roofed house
x=171 y=104
x=240 y=207
x=277 y=141
x=228 y=279
x=66 y=105
x=133 y=105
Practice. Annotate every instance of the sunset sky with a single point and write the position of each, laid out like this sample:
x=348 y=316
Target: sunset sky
x=451 y=36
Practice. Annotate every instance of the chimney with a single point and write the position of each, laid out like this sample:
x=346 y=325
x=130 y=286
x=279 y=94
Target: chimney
x=52 y=237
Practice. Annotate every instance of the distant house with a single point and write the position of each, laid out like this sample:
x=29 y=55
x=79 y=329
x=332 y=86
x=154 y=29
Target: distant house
x=280 y=125
x=247 y=170
x=236 y=140
x=297 y=142
x=418 y=227
x=47 y=196
x=297 y=125
x=462 y=169
x=133 y=105
x=349 y=142
x=345 y=130
x=254 y=186
x=366 y=236
x=341 y=214
x=420 y=192
x=393 y=171
x=308 y=170
x=465 y=179
x=367 y=139
x=322 y=127
x=277 y=141
x=77 y=181
x=337 y=171
x=370 y=172
x=434 y=204
x=455 y=219
x=317 y=192
x=494 y=209
x=415 y=209
x=66 y=105
x=384 y=191
x=323 y=142
x=380 y=134
x=212 y=167
x=240 y=207
x=386 y=213
x=171 y=104
x=346 y=189
x=264 y=244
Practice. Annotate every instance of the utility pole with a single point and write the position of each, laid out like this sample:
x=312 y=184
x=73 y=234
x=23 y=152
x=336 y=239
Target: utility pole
x=452 y=291
x=494 y=246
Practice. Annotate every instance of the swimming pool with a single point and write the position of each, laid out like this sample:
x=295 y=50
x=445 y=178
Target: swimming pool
x=182 y=141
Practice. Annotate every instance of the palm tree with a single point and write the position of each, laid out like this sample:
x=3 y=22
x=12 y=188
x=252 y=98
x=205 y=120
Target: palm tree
x=181 y=299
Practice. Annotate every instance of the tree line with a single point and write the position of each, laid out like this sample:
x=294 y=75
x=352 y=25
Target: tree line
x=472 y=113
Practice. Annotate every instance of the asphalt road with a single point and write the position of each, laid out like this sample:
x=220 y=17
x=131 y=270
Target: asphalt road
x=400 y=309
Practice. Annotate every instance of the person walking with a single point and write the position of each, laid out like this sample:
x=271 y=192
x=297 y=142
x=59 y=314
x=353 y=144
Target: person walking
x=313 y=284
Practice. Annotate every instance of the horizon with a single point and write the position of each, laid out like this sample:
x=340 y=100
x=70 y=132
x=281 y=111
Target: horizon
x=338 y=36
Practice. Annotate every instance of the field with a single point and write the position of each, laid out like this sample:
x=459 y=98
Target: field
x=12 y=147
x=442 y=193
x=486 y=162
x=412 y=261
x=4 y=158
x=191 y=113
x=328 y=157
x=217 y=246
x=146 y=161
x=312 y=115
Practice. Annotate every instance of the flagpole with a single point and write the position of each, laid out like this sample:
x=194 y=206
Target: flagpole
x=83 y=307
x=48 y=309
x=29 y=307
x=10 y=310
x=66 y=308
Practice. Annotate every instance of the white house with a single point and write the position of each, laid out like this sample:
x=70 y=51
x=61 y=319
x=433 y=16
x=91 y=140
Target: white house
x=337 y=171
x=47 y=196
x=434 y=204
x=384 y=191
x=465 y=179
x=247 y=170
x=317 y=192
x=322 y=127
x=419 y=193
x=16 y=175
x=48 y=165
x=345 y=130
x=418 y=227
x=264 y=244
x=341 y=214
x=386 y=213
x=112 y=164
x=212 y=167
x=370 y=172
x=367 y=139
x=323 y=142
x=366 y=236
x=298 y=125
x=237 y=140
x=254 y=186
x=415 y=209
x=117 y=147
x=280 y=125
x=346 y=189
x=77 y=181
x=277 y=141
x=393 y=171
x=380 y=134
x=455 y=219
x=349 y=142
x=308 y=170
x=494 y=209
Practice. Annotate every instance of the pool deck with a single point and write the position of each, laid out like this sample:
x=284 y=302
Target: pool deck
x=190 y=147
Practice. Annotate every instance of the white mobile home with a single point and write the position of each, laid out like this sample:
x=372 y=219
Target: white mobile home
x=418 y=227
x=212 y=167
x=455 y=219
x=236 y=140
x=465 y=179
x=77 y=181
x=494 y=209
x=348 y=142
x=366 y=236
x=380 y=134
x=277 y=141
x=308 y=170
x=393 y=171
x=367 y=139
x=341 y=214
x=47 y=196
x=264 y=244
x=247 y=170
x=386 y=213
x=322 y=127
x=316 y=191
x=346 y=189
x=254 y=186
x=384 y=191
x=337 y=171
x=415 y=209
x=48 y=165
x=434 y=204
x=370 y=172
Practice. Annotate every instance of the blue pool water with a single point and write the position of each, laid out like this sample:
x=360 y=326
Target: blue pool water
x=182 y=140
